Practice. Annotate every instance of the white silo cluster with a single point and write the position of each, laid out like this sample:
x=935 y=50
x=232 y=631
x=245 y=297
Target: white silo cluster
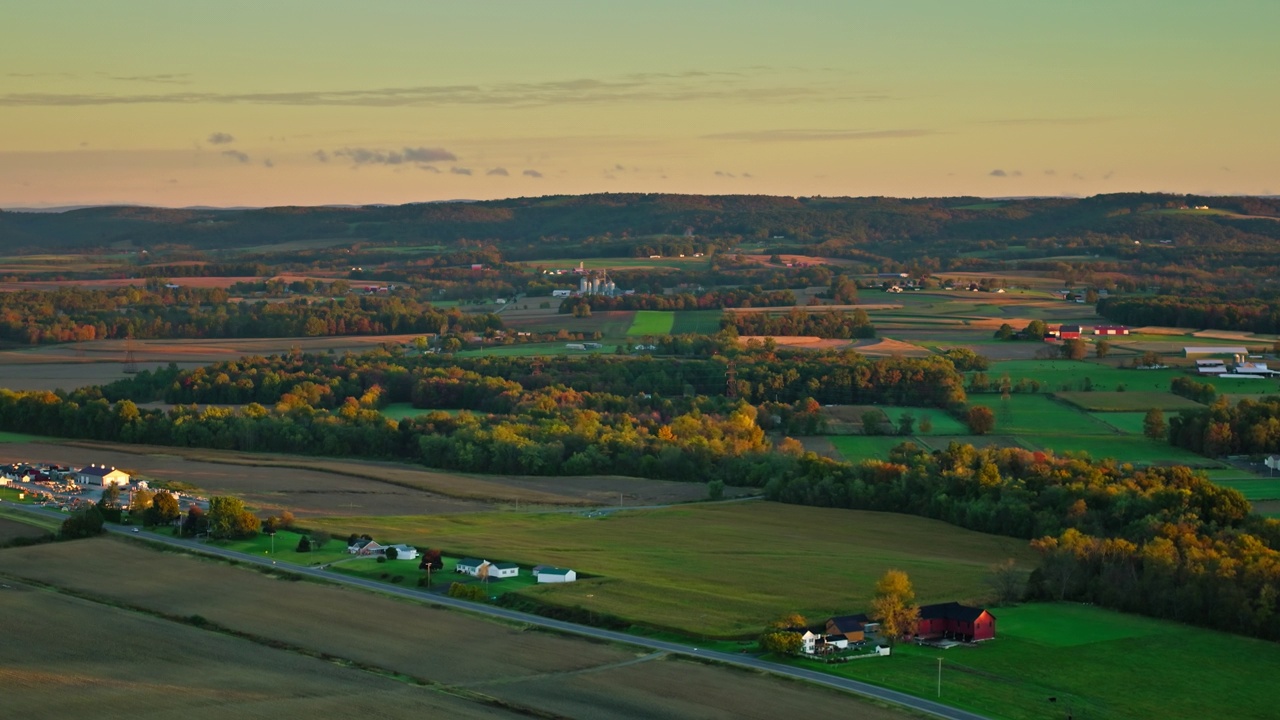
x=596 y=285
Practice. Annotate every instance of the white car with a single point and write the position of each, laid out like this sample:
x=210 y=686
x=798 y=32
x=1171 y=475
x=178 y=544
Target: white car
x=136 y=530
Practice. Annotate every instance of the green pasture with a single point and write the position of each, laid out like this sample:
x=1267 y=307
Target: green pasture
x=721 y=570
x=1130 y=423
x=1128 y=401
x=400 y=411
x=856 y=448
x=697 y=322
x=286 y=546
x=1032 y=413
x=1054 y=374
x=12 y=437
x=943 y=422
x=1134 y=449
x=1099 y=664
x=1252 y=487
x=652 y=323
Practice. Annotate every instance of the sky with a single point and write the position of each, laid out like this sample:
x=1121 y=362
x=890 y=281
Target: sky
x=309 y=102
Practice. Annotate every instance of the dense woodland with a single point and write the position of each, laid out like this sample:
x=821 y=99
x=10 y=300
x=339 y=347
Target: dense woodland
x=1250 y=427
x=712 y=300
x=77 y=314
x=829 y=324
x=1210 y=313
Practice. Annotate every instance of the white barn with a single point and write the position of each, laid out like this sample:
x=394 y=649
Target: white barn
x=556 y=575
x=403 y=552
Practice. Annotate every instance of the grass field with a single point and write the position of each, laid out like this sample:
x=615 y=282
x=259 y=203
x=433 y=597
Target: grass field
x=16 y=525
x=856 y=448
x=1126 y=449
x=1055 y=374
x=1128 y=401
x=532 y=349
x=1252 y=487
x=308 y=649
x=10 y=437
x=1100 y=665
x=718 y=570
x=651 y=322
x=400 y=411
x=1130 y=423
x=1025 y=414
x=701 y=322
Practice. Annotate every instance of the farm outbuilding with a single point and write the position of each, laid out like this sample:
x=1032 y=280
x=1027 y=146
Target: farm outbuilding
x=101 y=475
x=503 y=570
x=1110 y=330
x=852 y=627
x=957 y=622
x=1069 y=332
x=1194 y=350
x=556 y=575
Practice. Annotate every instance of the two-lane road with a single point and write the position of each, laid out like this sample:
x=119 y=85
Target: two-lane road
x=891 y=696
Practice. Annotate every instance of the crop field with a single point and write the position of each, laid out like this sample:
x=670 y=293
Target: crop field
x=1032 y=413
x=12 y=528
x=651 y=322
x=535 y=349
x=1252 y=487
x=456 y=665
x=1130 y=423
x=1099 y=664
x=701 y=322
x=856 y=448
x=1066 y=375
x=1126 y=449
x=1128 y=401
x=717 y=570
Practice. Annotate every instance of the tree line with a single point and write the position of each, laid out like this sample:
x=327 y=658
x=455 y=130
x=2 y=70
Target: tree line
x=827 y=324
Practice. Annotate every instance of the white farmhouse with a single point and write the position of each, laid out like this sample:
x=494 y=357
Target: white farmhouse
x=503 y=570
x=403 y=552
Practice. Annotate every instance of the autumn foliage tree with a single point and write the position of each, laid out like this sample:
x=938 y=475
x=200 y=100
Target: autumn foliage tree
x=980 y=419
x=894 y=606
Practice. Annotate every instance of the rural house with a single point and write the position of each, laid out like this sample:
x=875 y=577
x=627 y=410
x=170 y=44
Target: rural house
x=956 y=622
x=503 y=570
x=403 y=552
x=554 y=575
x=469 y=566
x=366 y=548
x=101 y=475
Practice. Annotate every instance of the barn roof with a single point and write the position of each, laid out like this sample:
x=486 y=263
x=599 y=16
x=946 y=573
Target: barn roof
x=849 y=623
x=950 y=611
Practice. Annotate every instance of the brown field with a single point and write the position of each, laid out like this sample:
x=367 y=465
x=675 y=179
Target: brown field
x=110 y=283
x=798 y=342
x=308 y=486
x=888 y=347
x=449 y=655
x=12 y=530
x=73 y=658
x=869 y=307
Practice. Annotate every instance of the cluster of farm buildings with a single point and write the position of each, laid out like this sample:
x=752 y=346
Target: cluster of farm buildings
x=472 y=567
x=942 y=623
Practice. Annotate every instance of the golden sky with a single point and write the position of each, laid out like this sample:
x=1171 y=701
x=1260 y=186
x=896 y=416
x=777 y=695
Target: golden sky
x=316 y=101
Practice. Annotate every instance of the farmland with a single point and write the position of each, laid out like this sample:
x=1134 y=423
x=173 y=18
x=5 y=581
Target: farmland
x=1101 y=664
x=720 y=570
x=704 y=322
x=12 y=527
x=651 y=322
x=266 y=656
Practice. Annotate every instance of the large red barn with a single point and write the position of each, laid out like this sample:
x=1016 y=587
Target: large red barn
x=957 y=622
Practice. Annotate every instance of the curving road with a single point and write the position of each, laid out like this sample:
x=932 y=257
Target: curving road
x=860 y=688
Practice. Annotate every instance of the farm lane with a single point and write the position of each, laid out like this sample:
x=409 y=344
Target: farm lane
x=928 y=707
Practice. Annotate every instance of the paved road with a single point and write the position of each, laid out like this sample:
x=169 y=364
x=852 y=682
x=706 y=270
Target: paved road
x=920 y=704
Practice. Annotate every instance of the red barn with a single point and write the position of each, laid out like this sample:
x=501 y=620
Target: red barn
x=1110 y=330
x=1068 y=332
x=957 y=622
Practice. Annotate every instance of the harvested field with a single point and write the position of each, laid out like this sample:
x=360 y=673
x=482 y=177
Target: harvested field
x=12 y=530
x=798 y=342
x=456 y=656
x=671 y=688
x=887 y=347
x=74 y=658
x=309 y=486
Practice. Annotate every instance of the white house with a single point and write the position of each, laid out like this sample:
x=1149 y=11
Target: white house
x=403 y=552
x=101 y=475
x=555 y=575
x=470 y=566
x=809 y=642
x=4 y=481
x=503 y=570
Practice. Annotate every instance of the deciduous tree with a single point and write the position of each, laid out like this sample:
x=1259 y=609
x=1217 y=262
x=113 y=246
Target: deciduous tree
x=894 y=606
x=980 y=419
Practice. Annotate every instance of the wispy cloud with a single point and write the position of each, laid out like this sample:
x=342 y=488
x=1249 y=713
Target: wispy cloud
x=1047 y=121
x=321 y=155
x=531 y=173
x=679 y=87
x=268 y=163
x=812 y=135
x=502 y=172
x=998 y=173
x=160 y=79
x=460 y=170
x=236 y=155
x=220 y=138
x=378 y=156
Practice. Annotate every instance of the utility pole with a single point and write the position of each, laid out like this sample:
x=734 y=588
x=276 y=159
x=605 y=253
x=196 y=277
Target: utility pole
x=939 y=677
